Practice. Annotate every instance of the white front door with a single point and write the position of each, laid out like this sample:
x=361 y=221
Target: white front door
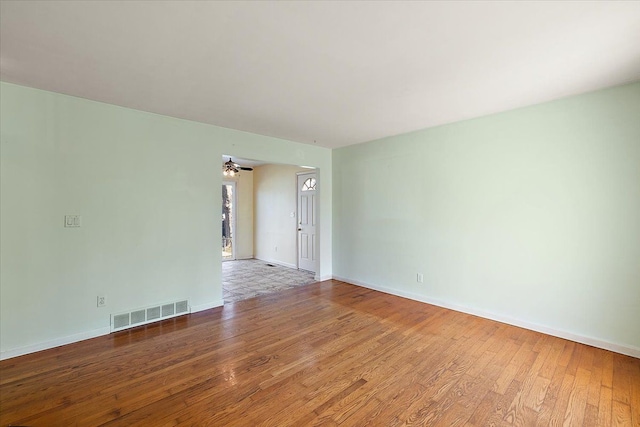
x=307 y=221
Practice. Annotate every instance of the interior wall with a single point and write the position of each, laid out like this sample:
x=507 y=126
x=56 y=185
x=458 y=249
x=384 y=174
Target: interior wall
x=275 y=206
x=148 y=189
x=532 y=216
x=244 y=214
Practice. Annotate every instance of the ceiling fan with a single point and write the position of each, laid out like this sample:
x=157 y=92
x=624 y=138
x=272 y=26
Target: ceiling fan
x=230 y=168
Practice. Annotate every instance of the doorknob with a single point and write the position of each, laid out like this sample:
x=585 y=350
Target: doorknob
x=299 y=229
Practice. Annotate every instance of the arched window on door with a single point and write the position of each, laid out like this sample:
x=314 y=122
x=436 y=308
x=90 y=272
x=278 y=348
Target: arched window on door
x=309 y=184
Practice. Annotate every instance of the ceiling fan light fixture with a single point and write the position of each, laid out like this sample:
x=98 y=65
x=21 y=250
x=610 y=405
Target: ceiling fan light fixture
x=229 y=168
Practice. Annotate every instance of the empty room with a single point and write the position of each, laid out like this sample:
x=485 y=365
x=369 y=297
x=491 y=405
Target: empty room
x=458 y=181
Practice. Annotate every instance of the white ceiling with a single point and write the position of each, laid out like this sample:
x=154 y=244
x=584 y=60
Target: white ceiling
x=330 y=73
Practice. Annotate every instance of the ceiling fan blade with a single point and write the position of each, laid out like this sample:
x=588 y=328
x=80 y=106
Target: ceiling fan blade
x=230 y=164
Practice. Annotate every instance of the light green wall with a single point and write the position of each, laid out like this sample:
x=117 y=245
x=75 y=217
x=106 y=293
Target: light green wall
x=531 y=215
x=148 y=190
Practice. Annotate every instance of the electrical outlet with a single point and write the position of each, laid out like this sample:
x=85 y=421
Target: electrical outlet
x=420 y=278
x=102 y=301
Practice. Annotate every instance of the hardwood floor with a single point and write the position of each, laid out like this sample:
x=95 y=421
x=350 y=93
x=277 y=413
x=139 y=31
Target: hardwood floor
x=328 y=353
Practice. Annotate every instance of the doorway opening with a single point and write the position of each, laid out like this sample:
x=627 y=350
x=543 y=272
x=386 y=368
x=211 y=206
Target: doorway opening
x=228 y=220
x=261 y=215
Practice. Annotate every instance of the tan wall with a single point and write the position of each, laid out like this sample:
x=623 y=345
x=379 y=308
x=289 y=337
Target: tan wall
x=274 y=213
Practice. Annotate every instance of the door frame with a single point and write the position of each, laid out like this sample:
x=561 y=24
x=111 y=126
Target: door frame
x=234 y=231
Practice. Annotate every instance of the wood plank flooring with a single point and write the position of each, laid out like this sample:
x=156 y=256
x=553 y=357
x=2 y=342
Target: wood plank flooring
x=328 y=353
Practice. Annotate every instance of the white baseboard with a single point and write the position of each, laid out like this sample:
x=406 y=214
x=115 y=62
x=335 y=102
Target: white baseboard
x=283 y=264
x=45 y=345
x=594 y=342
x=323 y=278
x=207 y=306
